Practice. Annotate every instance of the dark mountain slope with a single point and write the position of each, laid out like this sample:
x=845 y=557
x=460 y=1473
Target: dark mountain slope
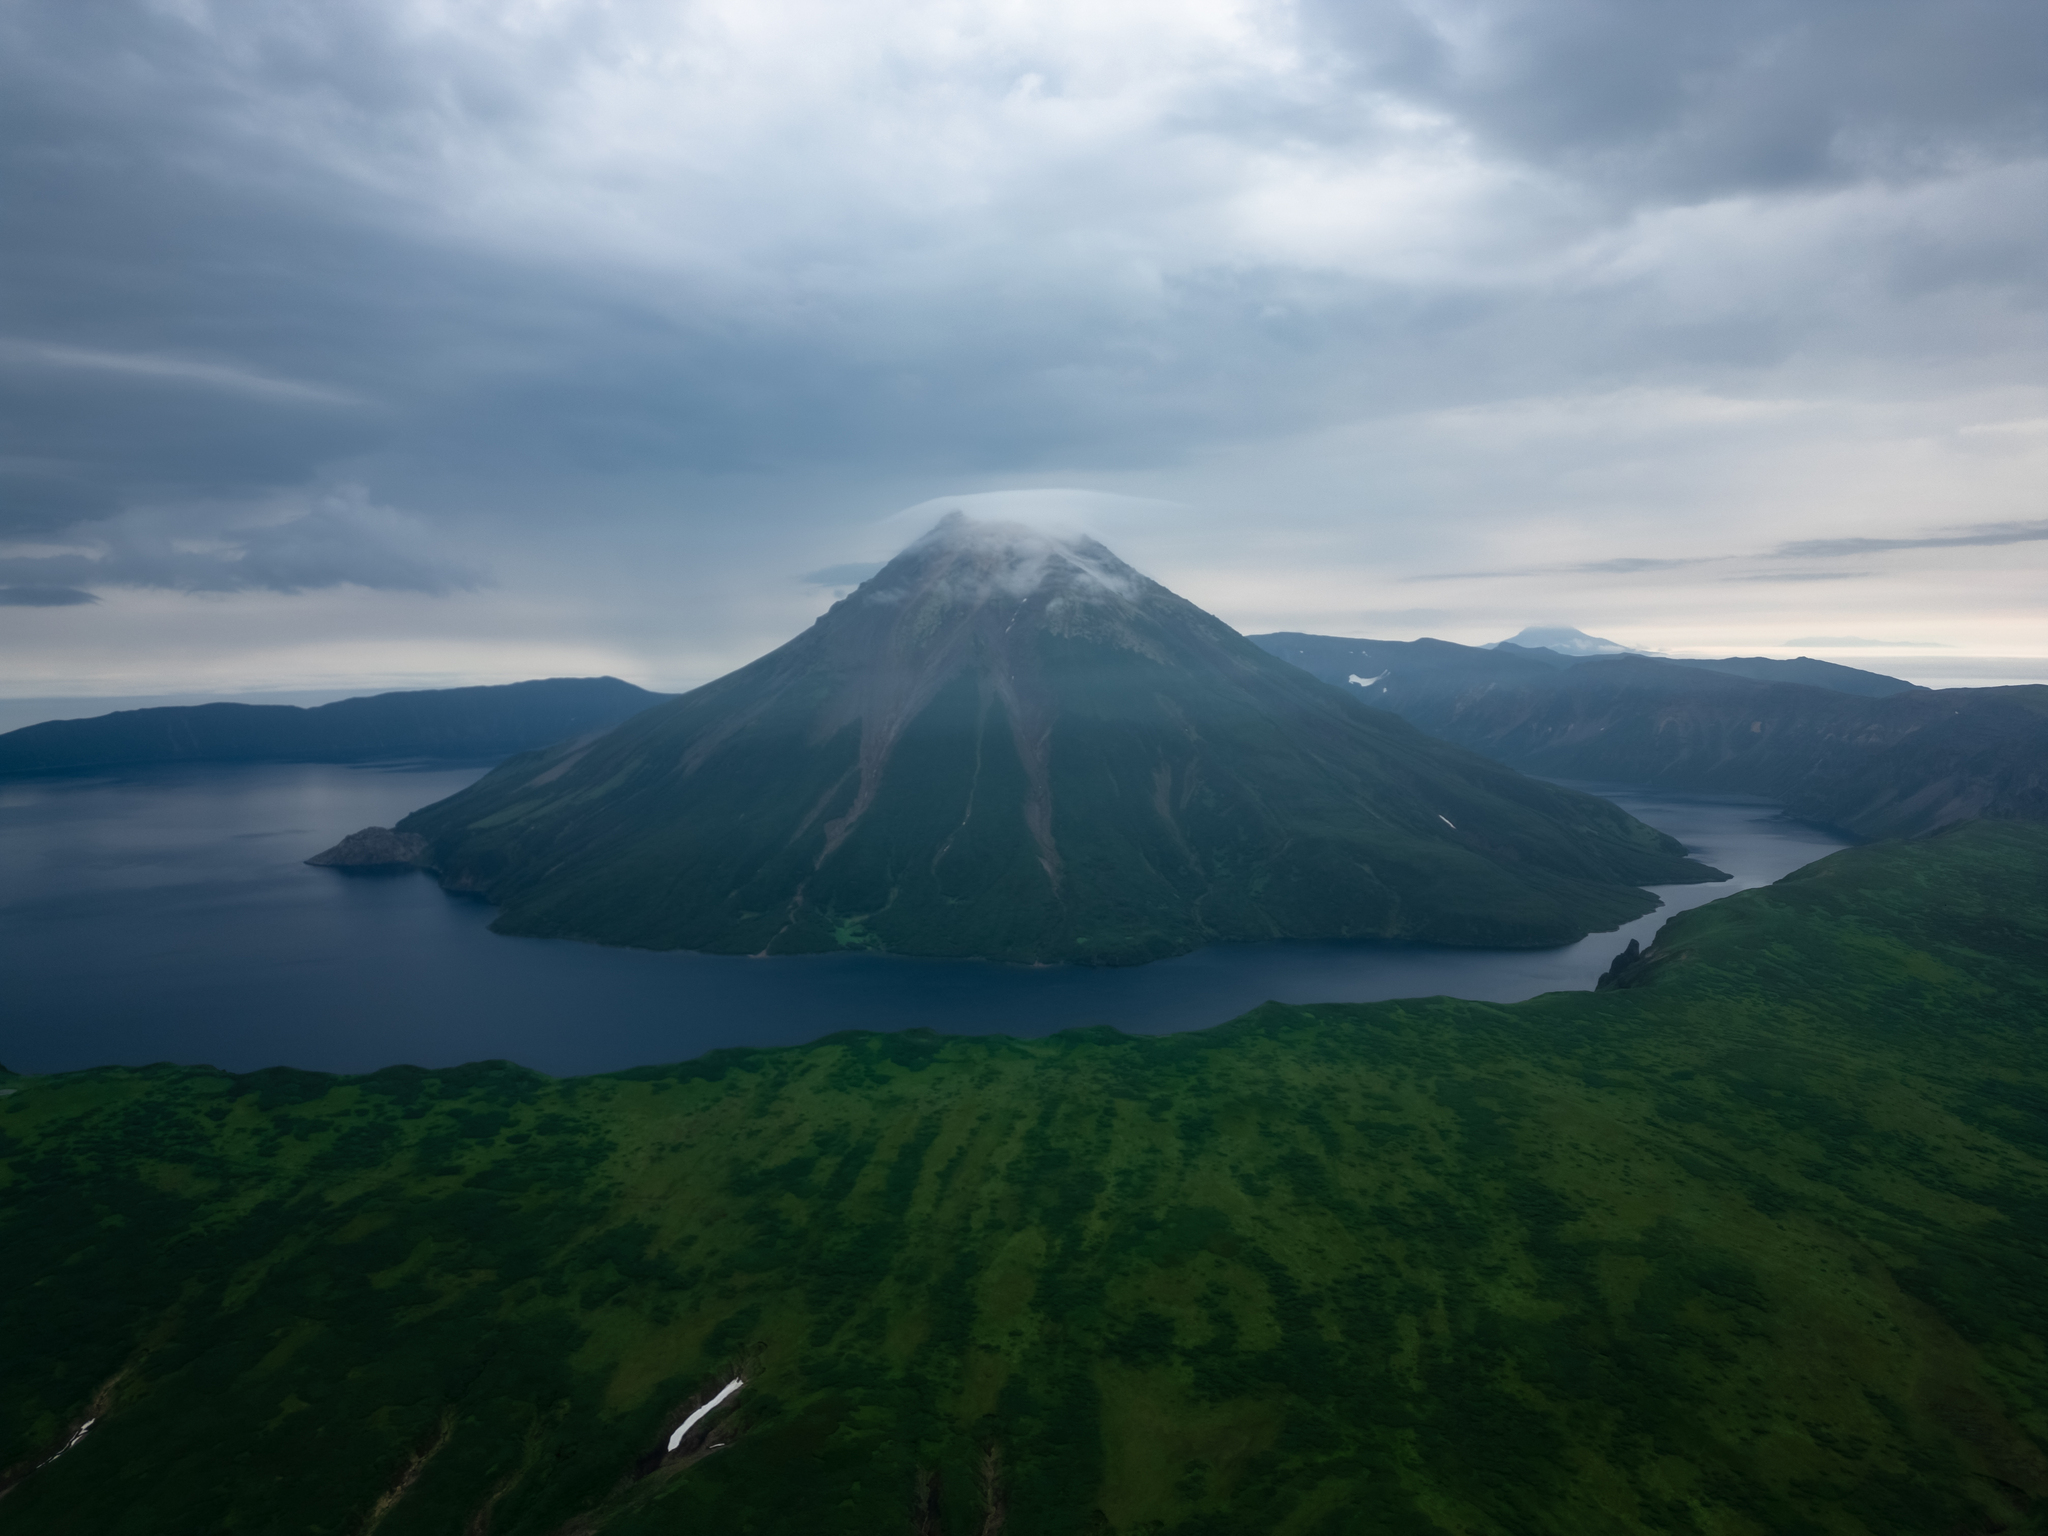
x=1891 y=766
x=431 y=722
x=1008 y=746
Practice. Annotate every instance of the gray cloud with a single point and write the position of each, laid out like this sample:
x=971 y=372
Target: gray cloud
x=1856 y=640
x=851 y=575
x=1985 y=534
x=1697 y=101
x=44 y=597
x=269 y=289
x=1408 y=617
x=172 y=370
x=599 y=277
x=1622 y=566
x=342 y=539
x=1627 y=565
x=1962 y=538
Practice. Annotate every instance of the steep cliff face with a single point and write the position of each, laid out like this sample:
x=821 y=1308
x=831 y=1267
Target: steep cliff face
x=1015 y=746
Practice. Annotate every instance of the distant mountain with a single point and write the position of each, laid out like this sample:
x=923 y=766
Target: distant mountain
x=433 y=722
x=1567 y=642
x=1341 y=659
x=1894 y=764
x=1018 y=747
x=1564 y=647
x=1803 y=669
x=1390 y=671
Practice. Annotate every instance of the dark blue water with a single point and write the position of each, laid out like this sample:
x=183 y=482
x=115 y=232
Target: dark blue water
x=164 y=915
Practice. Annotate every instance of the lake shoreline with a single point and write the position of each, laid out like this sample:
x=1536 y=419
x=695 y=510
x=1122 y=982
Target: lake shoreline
x=166 y=915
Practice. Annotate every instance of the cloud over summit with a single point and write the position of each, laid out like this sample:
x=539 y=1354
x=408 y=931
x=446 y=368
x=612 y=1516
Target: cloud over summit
x=573 y=277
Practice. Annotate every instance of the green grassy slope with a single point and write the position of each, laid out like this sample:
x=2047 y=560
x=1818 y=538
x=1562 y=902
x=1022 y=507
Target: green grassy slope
x=1752 y=1244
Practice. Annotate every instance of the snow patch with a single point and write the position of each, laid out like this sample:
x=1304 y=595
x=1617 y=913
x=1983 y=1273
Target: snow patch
x=690 y=1423
x=1365 y=682
x=76 y=1436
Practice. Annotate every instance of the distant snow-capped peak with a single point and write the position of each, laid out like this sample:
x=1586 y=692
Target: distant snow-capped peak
x=1566 y=642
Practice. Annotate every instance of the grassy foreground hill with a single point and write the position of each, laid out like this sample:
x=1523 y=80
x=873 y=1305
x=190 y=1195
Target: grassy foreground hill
x=1755 y=1243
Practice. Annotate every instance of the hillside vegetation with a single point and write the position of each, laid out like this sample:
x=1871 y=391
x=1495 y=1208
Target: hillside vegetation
x=1753 y=1244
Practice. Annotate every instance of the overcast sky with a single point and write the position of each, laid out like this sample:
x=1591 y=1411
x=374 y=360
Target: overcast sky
x=369 y=343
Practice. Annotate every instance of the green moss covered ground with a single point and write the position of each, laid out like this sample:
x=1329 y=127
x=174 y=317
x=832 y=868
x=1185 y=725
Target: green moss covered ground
x=1756 y=1243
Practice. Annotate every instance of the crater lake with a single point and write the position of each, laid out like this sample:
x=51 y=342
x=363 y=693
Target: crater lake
x=166 y=914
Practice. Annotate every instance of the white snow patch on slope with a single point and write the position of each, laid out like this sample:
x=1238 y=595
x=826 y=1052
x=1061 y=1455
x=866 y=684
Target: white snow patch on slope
x=76 y=1436
x=690 y=1423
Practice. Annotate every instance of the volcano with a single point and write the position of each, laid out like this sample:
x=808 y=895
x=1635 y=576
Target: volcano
x=1014 y=746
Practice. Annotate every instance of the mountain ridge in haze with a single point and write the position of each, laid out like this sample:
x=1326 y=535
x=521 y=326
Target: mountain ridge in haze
x=1015 y=746
x=1565 y=641
x=1896 y=763
x=1567 y=647
x=487 y=721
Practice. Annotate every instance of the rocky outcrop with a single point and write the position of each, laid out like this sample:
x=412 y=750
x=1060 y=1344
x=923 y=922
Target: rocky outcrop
x=1615 y=975
x=375 y=848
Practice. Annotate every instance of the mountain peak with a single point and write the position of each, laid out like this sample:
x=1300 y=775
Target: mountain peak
x=1566 y=641
x=1008 y=743
x=966 y=561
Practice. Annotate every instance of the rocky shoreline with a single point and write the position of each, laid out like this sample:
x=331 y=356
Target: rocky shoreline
x=375 y=848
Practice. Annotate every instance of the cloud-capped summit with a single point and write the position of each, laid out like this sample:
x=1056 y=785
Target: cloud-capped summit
x=1602 y=308
x=1011 y=744
x=1567 y=641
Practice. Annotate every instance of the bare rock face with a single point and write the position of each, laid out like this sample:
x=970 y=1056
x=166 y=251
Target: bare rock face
x=374 y=848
